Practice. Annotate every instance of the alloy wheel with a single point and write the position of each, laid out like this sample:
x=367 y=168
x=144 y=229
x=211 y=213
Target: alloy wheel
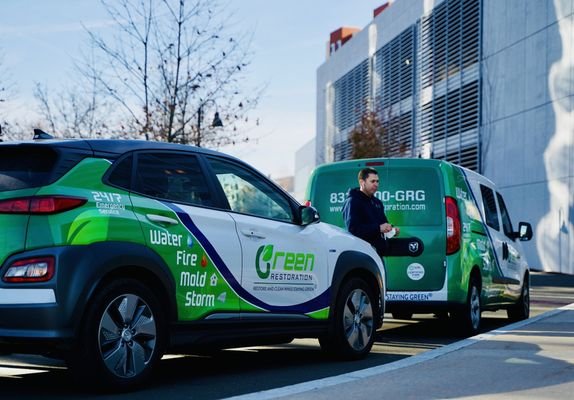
x=127 y=336
x=358 y=319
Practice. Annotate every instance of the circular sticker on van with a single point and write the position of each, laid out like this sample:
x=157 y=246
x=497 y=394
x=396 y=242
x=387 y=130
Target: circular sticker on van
x=415 y=271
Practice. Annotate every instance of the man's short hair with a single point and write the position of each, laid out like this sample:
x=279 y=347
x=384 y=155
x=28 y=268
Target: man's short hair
x=365 y=172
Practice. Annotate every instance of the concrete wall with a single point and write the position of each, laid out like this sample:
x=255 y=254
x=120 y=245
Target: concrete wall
x=528 y=120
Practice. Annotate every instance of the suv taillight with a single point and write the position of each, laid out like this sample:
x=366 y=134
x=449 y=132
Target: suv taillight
x=40 y=204
x=453 y=233
x=39 y=269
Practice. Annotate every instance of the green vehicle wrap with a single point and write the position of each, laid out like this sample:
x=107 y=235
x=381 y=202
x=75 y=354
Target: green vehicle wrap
x=116 y=252
x=414 y=193
x=113 y=214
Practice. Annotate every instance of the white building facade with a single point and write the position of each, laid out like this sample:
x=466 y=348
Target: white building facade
x=304 y=165
x=487 y=84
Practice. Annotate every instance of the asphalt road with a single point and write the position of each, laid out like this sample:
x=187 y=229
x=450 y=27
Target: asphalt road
x=235 y=372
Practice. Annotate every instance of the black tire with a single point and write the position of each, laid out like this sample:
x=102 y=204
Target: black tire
x=121 y=339
x=354 y=322
x=468 y=318
x=521 y=310
x=402 y=315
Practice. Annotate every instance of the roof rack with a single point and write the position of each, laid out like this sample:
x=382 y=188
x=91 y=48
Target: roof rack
x=39 y=134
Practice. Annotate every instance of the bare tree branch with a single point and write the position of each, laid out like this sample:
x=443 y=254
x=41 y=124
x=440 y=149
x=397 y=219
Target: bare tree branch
x=7 y=94
x=76 y=111
x=167 y=60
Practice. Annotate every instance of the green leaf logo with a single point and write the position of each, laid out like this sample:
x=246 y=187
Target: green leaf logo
x=262 y=258
x=268 y=252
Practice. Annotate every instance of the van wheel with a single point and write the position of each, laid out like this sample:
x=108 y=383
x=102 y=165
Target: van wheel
x=354 y=322
x=521 y=310
x=122 y=337
x=469 y=317
x=402 y=315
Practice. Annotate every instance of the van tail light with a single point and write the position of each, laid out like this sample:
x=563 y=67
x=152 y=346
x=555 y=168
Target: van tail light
x=308 y=203
x=453 y=233
x=39 y=269
x=40 y=204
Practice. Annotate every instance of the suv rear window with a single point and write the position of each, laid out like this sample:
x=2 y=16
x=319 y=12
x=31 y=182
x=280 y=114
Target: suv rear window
x=23 y=167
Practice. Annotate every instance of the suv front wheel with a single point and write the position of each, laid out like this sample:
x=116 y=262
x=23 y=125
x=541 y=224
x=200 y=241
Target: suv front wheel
x=354 y=322
x=122 y=337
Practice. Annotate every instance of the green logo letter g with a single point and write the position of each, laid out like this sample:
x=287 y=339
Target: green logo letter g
x=264 y=253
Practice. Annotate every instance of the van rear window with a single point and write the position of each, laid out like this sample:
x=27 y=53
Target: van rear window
x=330 y=191
x=412 y=196
x=23 y=167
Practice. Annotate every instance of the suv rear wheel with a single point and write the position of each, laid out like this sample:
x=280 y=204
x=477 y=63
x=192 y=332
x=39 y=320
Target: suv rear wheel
x=122 y=337
x=354 y=321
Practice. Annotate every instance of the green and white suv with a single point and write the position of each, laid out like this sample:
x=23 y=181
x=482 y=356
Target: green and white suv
x=113 y=253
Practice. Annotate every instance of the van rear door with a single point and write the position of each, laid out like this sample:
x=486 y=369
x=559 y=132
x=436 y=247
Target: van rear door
x=330 y=183
x=413 y=197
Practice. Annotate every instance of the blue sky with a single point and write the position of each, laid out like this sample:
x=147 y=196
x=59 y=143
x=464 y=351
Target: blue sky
x=40 y=38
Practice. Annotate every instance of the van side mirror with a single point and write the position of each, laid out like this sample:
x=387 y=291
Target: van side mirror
x=524 y=231
x=308 y=215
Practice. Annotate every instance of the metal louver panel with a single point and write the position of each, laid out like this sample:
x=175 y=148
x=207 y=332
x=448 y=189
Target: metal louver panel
x=449 y=82
x=351 y=101
x=394 y=68
x=424 y=86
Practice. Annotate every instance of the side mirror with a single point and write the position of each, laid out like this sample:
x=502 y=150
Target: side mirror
x=308 y=215
x=524 y=231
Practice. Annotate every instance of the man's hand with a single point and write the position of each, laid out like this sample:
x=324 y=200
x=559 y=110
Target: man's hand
x=384 y=228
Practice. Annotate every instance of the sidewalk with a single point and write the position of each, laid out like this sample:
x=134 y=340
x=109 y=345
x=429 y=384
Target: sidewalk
x=529 y=359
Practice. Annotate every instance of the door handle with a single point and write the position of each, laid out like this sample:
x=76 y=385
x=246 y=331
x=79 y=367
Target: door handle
x=253 y=233
x=504 y=251
x=161 y=219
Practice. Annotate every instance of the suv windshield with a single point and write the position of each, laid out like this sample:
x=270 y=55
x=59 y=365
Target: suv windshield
x=23 y=167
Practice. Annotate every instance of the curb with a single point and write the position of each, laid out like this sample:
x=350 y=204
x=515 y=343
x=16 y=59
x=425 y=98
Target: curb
x=406 y=362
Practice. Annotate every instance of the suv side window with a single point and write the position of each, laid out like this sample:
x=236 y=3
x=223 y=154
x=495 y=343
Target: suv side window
x=175 y=177
x=506 y=223
x=247 y=193
x=490 y=211
x=121 y=175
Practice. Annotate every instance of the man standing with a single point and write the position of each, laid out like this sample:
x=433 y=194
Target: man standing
x=364 y=214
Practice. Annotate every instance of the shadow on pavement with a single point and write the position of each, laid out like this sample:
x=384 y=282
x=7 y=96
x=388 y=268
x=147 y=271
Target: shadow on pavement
x=534 y=361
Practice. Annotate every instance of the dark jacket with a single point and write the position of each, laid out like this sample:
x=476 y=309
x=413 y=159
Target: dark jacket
x=363 y=216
